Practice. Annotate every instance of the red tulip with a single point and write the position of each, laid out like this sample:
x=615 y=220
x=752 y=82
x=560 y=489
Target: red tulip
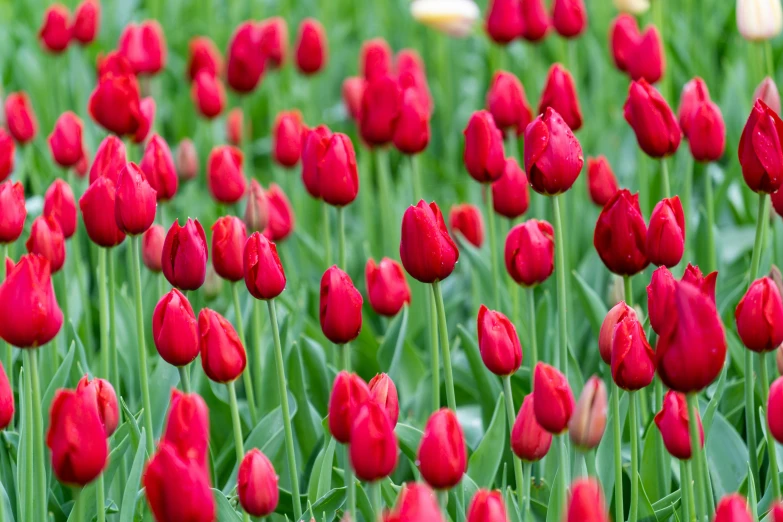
x=134 y=209
x=349 y=392
x=426 y=250
x=144 y=45
x=113 y=63
x=504 y=21
x=673 y=423
x=186 y=160
x=620 y=235
x=666 y=234
x=257 y=209
x=338 y=180
x=312 y=51
x=387 y=288
x=208 y=95
x=108 y=407
x=245 y=62
x=185 y=255
x=442 y=457
x=86 y=22
x=601 y=183
x=257 y=484
x=47 y=240
x=55 y=32
x=411 y=74
x=384 y=392
x=76 y=436
x=263 y=271
x=707 y=133
x=158 y=167
x=569 y=17
x=586 y=502
x=187 y=426
x=529 y=441
x=148 y=108
x=487 y=506
x=530 y=252
x=416 y=502
x=352 y=92
x=373 y=448
x=174 y=329
x=553 y=156
x=222 y=354
x=375 y=59
x=623 y=39
x=287 y=142
x=633 y=360
x=228 y=241
x=83 y=165
x=484 y=157
x=235 y=126
x=774 y=403
x=535 y=20
x=694 y=93
x=281 y=215
x=759 y=316
x=115 y=104
x=498 y=342
x=109 y=159
x=606 y=335
x=732 y=508
x=412 y=131
x=6 y=400
x=340 y=307
x=96 y=203
x=646 y=59
x=13 y=213
x=588 y=422
x=59 y=203
x=692 y=347
x=466 y=219
x=767 y=91
x=507 y=103
x=761 y=149
x=314 y=145
x=7 y=152
x=510 y=193
x=274 y=41
x=706 y=284
x=20 y=118
x=203 y=55
x=560 y=94
x=225 y=177
x=554 y=401
x=653 y=121
x=776 y=512
x=381 y=107
x=65 y=141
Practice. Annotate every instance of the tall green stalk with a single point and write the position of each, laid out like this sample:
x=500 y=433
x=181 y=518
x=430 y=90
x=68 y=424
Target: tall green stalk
x=667 y=189
x=531 y=305
x=634 y=431
x=697 y=455
x=327 y=234
x=78 y=505
x=29 y=442
x=114 y=355
x=237 y=425
x=771 y=449
x=142 y=344
x=434 y=351
x=709 y=202
x=375 y=498
x=350 y=482
x=384 y=198
x=256 y=354
x=343 y=257
x=664 y=460
x=100 y=499
x=9 y=353
x=686 y=491
x=560 y=268
x=493 y=250
x=184 y=378
x=103 y=313
x=527 y=516
x=246 y=375
x=511 y=418
x=617 y=433
x=39 y=455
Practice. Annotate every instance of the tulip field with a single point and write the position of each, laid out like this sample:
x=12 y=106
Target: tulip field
x=391 y=261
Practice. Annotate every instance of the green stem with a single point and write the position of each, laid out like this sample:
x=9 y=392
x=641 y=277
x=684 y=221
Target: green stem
x=512 y=149
x=384 y=198
x=256 y=351
x=562 y=474
x=686 y=199
x=100 y=499
x=282 y=390
x=9 y=354
x=327 y=234
x=531 y=305
x=103 y=313
x=350 y=482
x=61 y=293
x=628 y=290
x=686 y=491
x=418 y=192
x=375 y=498
x=772 y=450
x=664 y=460
x=236 y=423
x=29 y=441
x=434 y=351
x=696 y=451
x=511 y=418
x=342 y=259
x=444 y=342
x=709 y=201
x=619 y=513
x=39 y=458
x=247 y=139
x=527 y=516
x=592 y=470
x=142 y=344
x=78 y=261
x=770 y=62
x=114 y=356
x=667 y=189
x=560 y=268
x=184 y=378
x=246 y=375
x=634 y=431
x=493 y=251
x=78 y=505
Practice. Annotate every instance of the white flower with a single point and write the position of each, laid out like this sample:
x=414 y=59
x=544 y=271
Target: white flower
x=635 y=7
x=759 y=19
x=453 y=17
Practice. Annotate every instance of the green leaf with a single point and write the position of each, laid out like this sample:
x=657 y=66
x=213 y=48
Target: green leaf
x=556 y=500
x=605 y=455
x=653 y=484
x=409 y=439
x=304 y=425
x=329 y=504
x=391 y=350
x=325 y=477
x=128 y=507
x=646 y=511
x=592 y=304
x=223 y=510
x=59 y=380
x=712 y=407
x=484 y=463
x=727 y=457
x=487 y=385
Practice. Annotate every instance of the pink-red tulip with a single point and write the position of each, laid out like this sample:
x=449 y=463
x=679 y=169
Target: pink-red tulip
x=97 y=202
x=510 y=193
x=311 y=50
x=427 y=251
x=86 y=22
x=225 y=177
x=498 y=342
x=185 y=255
x=759 y=316
x=257 y=484
x=666 y=234
x=134 y=209
x=174 y=329
x=20 y=118
x=223 y=357
x=553 y=156
x=442 y=456
x=144 y=45
x=761 y=149
x=569 y=17
x=65 y=141
x=59 y=203
x=228 y=241
x=349 y=392
x=384 y=392
x=554 y=401
x=504 y=21
x=287 y=138
x=601 y=182
x=466 y=219
x=340 y=308
x=373 y=448
x=560 y=94
x=47 y=240
x=620 y=235
x=653 y=121
x=530 y=252
x=529 y=441
x=263 y=271
x=673 y=423
x=387 y=289
x=484 y=157
x=157 y=163
x=281 y=215
x=55 y=32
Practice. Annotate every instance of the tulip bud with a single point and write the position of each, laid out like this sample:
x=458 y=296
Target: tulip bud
x=759 y=19
x=498 y=342
x=152 y=248
x=274 y=41
x=560 y=94
x=7 y=152
x=776 y=512
x=352 y=92
x=705 y=284
x=174 y=329
x=311 y=48
x=672 y=422
x=185 y=254
x=203 y=55
x=779 y=361
x=65 y=141
x=264 y=275
x=387 y=288
x=86 y=20
x=13 y=213
x=484 y=157
x=235 y=125
x=454 y=18
x=588 y=422
x=349 y=392
x=314 y=145
x=384 y=392
x=187 y=426
x=411 y=74
x=666 y=235
x=287 y=138
x=20 y=118
x=340 y=307
x=659 y=293
x=569 y=17
x=554 y=401
x=158 y=167
x=507 y=103
x=108 y=408
x=487 y=506
x=146 y=120
x=96 y=203
x=466 y=219
x=504 y=21
x=76 y=436
x=761 y=150
x=281 y=215
x=646 y=59
x=635 y=7
x=529 y=441
x=115 y=104
x=442 y=457
x=620 y=235
x=59 y=203
x=375 y=59
x=208 y=95
x=6 y=400
x=338 y=180
x=83 y=165
x=601 y=182
x=653 y=121
x=112 y=63
x=380 y=110
x=186 y=160
x=732 y=508
x=257 y=484
x=109 y=160
x=228 y=241
x=189 y=497
x=606 y=335
x=586 y=502
x=774 y=403
x=412 y=130
x=553 y=156
x=530 y=252
x=633 y=360
x=222 y=354
x=623 y=39
x=694 y=93
x=373 y=448
x=46 y=239
x=134 y=209
x=535 y=20
x=426 y=250
x=767 y=91
x=759 y=316
x=257 y=209
x=144 y=45
x=225 y=177
x=707 y=133
x=510 y=193
x=55 y=32
x=245 y=63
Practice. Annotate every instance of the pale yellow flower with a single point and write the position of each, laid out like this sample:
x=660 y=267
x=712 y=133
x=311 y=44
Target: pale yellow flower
x=759 y=19
x=635 y=7
x=453 y=17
